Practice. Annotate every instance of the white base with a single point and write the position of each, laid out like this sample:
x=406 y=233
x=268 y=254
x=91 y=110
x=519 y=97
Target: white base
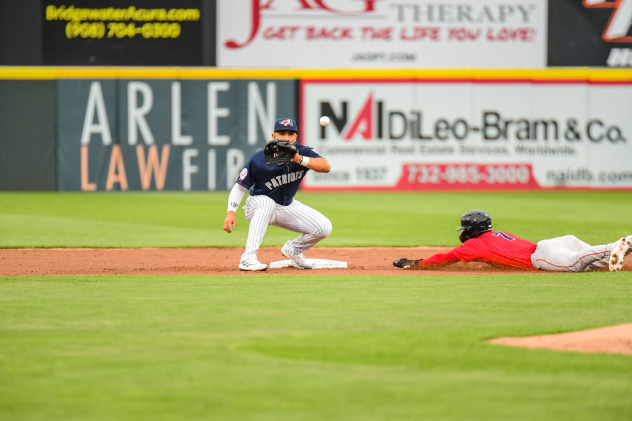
x=316 y=264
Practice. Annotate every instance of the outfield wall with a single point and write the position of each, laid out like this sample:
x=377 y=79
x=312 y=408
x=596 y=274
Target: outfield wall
x=27 y=135
x=104 y=129
x=318 y=33
x=163 y=134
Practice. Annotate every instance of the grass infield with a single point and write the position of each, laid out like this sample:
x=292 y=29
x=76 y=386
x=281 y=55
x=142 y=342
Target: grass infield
x=308 y=348
x=359 y=219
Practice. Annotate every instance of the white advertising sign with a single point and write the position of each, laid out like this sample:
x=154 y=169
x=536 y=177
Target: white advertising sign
x=381 y=33
x=488 y=135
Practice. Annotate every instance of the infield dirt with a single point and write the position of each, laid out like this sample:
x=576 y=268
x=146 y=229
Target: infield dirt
x=224 y=261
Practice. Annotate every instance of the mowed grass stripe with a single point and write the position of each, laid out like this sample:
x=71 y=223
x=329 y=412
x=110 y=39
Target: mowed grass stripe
x=286 y=347
x=178 y=219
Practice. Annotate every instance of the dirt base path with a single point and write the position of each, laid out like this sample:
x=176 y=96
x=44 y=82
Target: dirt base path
x=223 y=261
x=612 y=339
x=219 y=261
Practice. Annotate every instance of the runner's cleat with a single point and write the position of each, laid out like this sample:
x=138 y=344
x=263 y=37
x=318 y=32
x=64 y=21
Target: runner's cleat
x=297 y=258
x=252 y=265
x=618 y=254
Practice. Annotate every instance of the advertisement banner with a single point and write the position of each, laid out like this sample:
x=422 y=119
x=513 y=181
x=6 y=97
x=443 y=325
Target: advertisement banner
x=160 y=134
x=590 y=33
x=385 y=33
x=122 y=32
x=469 y=135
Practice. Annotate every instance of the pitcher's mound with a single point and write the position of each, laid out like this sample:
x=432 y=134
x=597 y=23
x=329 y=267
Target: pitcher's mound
x=612 y=339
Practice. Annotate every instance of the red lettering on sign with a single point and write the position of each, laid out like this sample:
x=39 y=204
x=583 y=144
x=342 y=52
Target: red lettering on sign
x=335 y=33
x=282 y=32
x=511 y=34
x=257 y=6
x=363 y=123
x=369 y=32
x=418 y=33
x=464 y=34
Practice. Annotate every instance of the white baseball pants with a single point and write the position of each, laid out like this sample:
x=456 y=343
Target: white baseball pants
x=262 y=211
x=570 y=254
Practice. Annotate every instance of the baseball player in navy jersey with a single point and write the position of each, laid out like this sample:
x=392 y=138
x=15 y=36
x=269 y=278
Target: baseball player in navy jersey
x=271 y=202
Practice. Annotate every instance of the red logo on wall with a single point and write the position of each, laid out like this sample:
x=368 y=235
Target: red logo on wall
x=258 y=6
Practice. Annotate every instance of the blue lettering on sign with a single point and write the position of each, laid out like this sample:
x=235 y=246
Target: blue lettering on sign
x=503 y=235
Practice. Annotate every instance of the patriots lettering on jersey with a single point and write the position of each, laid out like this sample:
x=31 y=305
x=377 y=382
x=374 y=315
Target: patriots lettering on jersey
x=503 y=235
x=284 y=179
x=264 y=179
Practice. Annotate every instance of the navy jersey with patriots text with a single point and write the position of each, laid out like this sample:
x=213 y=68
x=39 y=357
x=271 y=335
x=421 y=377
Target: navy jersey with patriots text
x=279 y=182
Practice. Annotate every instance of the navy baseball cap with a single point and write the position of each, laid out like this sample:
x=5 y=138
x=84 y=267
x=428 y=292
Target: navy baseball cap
x=285 y=124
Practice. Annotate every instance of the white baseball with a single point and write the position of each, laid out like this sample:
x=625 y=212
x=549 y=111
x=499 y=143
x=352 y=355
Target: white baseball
x=324 y=120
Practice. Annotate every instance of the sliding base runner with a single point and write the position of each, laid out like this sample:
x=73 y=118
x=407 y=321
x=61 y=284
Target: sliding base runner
x=272 y=187
x=505 y=250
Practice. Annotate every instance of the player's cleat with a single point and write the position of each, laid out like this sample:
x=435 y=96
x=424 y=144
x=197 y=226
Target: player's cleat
x=297 y=258
x=252 y=265
x=404 y=263
x=618 y=254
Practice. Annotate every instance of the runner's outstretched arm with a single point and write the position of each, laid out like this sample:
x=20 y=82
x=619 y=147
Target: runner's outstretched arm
x=435 y=261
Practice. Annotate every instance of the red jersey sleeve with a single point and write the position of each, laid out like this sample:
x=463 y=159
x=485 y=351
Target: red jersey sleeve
x=467 y=251
x=439 y=259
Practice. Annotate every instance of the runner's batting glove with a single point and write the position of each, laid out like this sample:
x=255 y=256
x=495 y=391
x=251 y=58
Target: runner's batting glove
x=404 y=263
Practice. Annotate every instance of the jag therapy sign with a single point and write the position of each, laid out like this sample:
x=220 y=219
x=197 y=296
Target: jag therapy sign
x=381 y=33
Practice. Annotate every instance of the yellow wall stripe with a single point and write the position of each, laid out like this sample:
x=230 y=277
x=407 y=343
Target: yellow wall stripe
x=562 y=74
x=28 y=73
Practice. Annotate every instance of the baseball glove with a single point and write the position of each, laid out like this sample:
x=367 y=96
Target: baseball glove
x=279 y=152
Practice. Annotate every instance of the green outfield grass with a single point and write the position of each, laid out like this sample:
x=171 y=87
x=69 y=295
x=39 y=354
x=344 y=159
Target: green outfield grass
x=310 y=348
x=359 y=219
x=266 y=347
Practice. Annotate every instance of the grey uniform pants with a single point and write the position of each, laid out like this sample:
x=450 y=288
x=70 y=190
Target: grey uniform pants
x=262 y=211
x=570 y=254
